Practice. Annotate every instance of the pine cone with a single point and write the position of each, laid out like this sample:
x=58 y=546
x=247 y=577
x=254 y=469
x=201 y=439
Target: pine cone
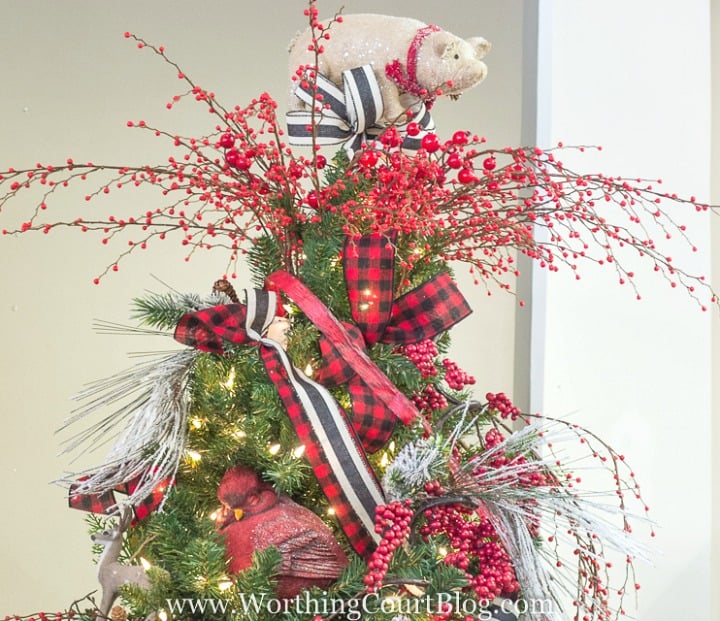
x=118 y=613
x=223 y=286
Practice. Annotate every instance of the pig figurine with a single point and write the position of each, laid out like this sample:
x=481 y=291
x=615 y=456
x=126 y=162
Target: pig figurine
x=410 y=59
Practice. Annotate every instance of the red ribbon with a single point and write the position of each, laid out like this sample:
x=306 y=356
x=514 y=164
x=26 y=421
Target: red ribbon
x=106 y=503
x=420 y=314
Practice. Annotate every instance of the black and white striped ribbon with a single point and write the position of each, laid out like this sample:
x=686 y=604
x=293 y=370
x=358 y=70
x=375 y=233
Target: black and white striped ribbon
x=349 y=115
x=342 y=452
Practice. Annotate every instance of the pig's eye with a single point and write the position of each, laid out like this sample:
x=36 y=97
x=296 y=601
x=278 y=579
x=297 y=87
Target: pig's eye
x=456 y=57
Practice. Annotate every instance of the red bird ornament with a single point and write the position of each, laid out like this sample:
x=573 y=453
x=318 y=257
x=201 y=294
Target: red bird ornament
x=254 y=517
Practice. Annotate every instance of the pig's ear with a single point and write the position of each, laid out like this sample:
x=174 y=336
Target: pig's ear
x=480 y=45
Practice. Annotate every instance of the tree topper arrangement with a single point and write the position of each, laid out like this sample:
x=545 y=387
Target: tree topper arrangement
x=319 y=418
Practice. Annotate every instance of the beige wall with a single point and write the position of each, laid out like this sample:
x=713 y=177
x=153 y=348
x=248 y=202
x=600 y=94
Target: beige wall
x=715 y=191
x=70 y=81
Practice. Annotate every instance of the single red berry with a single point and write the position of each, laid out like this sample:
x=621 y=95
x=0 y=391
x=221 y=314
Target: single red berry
x=227 y=141
x=231 y=157
x=241 y=162
x=320 y=161
x=413 y=129
x=430 y=142
x=312 y=199
x=368 y=159
x=391 y=137
x=466 y=176
x=455 y=160
x=489 y=163
x=460 y=137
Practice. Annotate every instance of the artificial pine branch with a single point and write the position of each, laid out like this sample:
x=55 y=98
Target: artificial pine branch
x=164 y=310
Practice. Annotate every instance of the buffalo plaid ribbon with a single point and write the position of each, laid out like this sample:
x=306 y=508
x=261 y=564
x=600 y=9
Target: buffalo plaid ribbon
x=422 y=313
x=349 y=115
x=106 y=502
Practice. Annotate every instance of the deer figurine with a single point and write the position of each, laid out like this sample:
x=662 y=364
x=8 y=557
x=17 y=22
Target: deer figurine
x=111 y=573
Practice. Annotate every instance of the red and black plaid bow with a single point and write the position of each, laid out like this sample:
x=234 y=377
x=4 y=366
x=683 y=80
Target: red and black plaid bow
x=423 y=313
x=106 y=502
x=333 y=447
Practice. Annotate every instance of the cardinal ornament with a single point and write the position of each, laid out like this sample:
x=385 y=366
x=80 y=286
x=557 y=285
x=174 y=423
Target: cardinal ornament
x=255 y=517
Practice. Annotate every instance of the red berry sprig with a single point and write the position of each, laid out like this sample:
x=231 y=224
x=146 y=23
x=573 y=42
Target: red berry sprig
x=455 y=377
x=393 y=522
x=501 y=403
x=422 y=355
x=429 y=399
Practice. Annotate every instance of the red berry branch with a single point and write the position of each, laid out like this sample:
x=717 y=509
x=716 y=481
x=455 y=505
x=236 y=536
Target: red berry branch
x=456 y=200
x=514 y=482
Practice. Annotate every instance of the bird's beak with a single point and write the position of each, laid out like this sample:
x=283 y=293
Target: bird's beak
x=238 y=514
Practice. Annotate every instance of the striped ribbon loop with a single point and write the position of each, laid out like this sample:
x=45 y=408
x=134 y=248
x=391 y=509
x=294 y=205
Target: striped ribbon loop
x=331 y=444
x=349 y=115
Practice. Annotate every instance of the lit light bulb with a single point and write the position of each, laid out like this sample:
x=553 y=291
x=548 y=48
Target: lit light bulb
x=442 y=551
x=196 y=423
x=298 y=451
x=162 y=615
x=240 y=434
x=309 y=370
x=230 y=381
x=384 y=460
x=224 y=585
x=214 y=516
x=193 y=456
x=391 y=447
x=331 y=511
x=274 y=449
x=145 y=563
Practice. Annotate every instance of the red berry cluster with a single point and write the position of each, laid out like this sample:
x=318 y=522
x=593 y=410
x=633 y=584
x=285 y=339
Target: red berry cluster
x=502 y=405
x=455 y=377
x=430 y=399
x=240 y=180
x=392 y=521
x=422 y=355
x=474 y=546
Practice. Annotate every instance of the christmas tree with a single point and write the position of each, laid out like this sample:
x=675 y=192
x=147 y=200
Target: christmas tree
x=347 y=327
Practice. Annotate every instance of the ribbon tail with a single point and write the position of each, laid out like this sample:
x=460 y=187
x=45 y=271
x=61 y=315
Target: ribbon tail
x=426 y=311
x=333 y=450
x=373 y=422
x=104 y=503
x=369 y=269
x=331 y=446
